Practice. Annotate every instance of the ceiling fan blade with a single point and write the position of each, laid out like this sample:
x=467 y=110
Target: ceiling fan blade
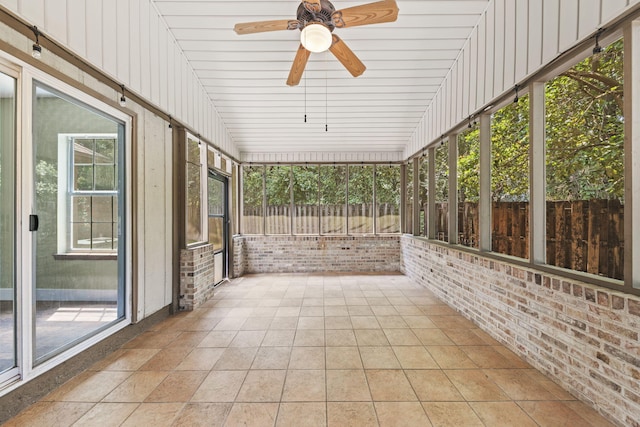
x=370 y=13
x=312 y=5
x=297 y=68
x=264 y=26
x=349 y=59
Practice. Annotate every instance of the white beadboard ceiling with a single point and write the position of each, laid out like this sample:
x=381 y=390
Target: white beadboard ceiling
x=245 y=76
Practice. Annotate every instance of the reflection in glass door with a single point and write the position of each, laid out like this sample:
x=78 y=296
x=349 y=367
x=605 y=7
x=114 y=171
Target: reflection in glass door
x=218 y=223
x=76 y=223
x=7 y=223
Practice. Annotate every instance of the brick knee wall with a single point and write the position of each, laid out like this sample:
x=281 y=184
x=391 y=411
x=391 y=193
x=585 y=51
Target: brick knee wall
x=308 y=254
x=583 y=336
x=196 y=276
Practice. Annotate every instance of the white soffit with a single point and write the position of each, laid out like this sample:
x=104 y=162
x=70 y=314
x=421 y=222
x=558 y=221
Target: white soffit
x=245 y=76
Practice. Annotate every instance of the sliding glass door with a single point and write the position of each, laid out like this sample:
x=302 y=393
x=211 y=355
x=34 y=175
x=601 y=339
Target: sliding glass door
x=217 y=188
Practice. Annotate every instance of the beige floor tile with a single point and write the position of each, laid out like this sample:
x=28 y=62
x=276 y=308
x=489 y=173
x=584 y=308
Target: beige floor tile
x=419 y=322
x=414 y=357
x=202 y=324
x=279 y=338
x=305 y=386
x=188 y=340
x=371 y=337
x=178 y=386
x=558 y=392
x=106 y=415
x=89 y=386
x=408 y=310
x=401 y=337
x=399 y=300
x=336 y=310
x=257 y=324
x=291 y=302
x=137 y=387
x=312 y=311
x=252 y=414
x=451 y=414
x=240 y=312
x=347 y=385
x=450 y=357
x=262 y=386
x=272 y=358
x=378 y=301
x=486 y=356
x=590 y=415
x=307 y=358
x=343 y=358
x=313 y=302
x=154 y=414
x=236 y=358
x=333 y=301
x=518 y=385
x=432 y=337
x=220 y=386
x=464 y=337
x=166 y=359
x=379 y=358
x=288 y=312
x=50 y=414
x=309 y=338
x=405 y=414
x=311 y=322
x=230 y=324
x=474 y=385
x=452 y=322
x=505 y=414
x=390 y=385
x=200 y=359
x=307 y=414
x=387 y=322
x=248 y=339
x=352 y=414
x=152 y=339
x=365 y=322
x=339 y=338
x=516 y=361
x=433 y=386
x=203 y=415
x=218 y=339
x=125 y=359
x=384 y=310
x=337 y=322
x=284 y=323
x=359 y=310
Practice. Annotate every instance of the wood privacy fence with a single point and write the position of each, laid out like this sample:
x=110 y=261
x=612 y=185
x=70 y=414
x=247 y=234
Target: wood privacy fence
x=331 y=218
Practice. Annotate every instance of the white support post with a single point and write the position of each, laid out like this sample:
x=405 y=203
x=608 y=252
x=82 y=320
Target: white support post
x=416 y=195
x=453 y=189
x=484 y=207
x=632 y=154
x=431 y=220
x=537 y=174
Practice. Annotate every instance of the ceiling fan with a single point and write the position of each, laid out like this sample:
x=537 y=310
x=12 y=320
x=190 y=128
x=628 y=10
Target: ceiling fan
x=316 y=19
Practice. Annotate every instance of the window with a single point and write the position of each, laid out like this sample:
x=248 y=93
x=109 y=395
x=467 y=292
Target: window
x=387 y=199
x=333 y=199
x=585 y=166
x=423 y=196
x=442 y=191
x=360 y=209
x=278 y=186
x=195 y=186
x=305 y=199
x=408 y=204
x=89 y=184
x=253 y=200
x=468 y=185
x=510 y=179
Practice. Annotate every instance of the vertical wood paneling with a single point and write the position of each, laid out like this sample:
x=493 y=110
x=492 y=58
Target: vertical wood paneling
x=489 y=54
x=144 y=58
x=568 y=24
x=535 y=35
x=154 y=54
x=33 y=10
x=460 y=85
x=610 y=9
x=522 y=43
x=135 y=66
x=184 y=93
x=453 y=104
x=588 y=17
x=509 y=44
x=498 y=70
x=55 y=19
x=482 y=51
x=473 y=63
x=11 y=5
x=94 y=32
x=109 y=47
x=77 y=28
x=123 y=42
x=163 y=65
x=171 y=76
x=550 y=17
x=466 y=57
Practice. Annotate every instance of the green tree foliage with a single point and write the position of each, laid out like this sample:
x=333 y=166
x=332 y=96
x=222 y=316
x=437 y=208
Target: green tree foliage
x=585 y=129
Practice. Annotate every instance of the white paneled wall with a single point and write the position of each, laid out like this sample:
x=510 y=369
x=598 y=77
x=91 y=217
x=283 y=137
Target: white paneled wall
x=513 y=40
x=129 y=40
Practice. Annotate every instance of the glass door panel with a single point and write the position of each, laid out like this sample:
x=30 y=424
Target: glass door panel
x=78 y=203
x=7 y=223
x=218 y=232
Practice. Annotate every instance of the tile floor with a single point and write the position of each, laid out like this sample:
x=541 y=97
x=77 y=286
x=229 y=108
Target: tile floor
x=312 y=350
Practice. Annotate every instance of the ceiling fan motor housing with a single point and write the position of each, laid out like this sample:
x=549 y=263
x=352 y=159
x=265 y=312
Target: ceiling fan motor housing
x=324 y=16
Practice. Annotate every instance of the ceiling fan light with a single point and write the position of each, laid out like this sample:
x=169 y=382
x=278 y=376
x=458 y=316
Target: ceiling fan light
x=316 y=38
